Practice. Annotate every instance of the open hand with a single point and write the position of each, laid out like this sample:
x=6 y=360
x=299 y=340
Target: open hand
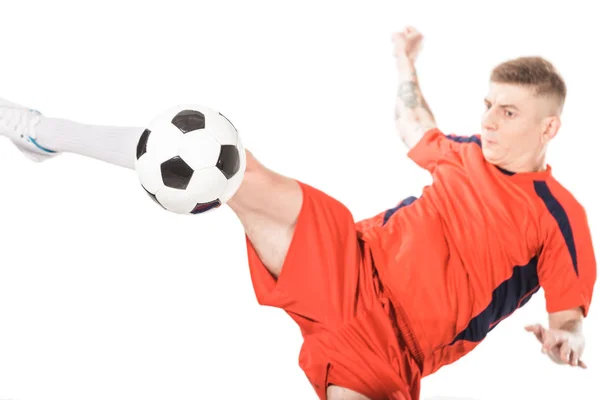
x=563 y=347
x=407 y=43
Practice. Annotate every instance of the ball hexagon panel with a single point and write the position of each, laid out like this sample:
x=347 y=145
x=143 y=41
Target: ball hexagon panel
x=206 y=185
x=189 y=120
x=233 y=185
x=176 y=173
x=148 y=170
x=153 y=197
x=231 y=123
x=222 y=129
x=175 y=200
x=242 y=152
x=199 y=150
x=164 y=143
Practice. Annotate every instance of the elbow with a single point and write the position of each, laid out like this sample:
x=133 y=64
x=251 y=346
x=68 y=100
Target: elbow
x=411 y=131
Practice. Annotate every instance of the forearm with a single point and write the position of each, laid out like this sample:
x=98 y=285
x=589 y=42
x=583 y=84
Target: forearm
x=413 y=115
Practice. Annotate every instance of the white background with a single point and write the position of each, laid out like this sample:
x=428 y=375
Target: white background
x=103 y=295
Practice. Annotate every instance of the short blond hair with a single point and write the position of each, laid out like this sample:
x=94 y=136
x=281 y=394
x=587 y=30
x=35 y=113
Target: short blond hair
x=535 y=72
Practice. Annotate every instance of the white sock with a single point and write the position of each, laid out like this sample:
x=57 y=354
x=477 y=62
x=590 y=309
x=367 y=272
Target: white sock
x=114 y=145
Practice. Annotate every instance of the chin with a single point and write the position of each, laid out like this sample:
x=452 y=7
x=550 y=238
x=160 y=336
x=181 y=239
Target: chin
x=490 y=155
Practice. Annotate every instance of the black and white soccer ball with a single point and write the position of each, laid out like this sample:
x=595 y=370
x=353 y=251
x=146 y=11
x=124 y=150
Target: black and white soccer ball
x=190 y=159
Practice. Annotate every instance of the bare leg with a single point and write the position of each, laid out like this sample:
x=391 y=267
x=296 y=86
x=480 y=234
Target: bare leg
x=269 y=222
x=267 y=204
x=339 y=393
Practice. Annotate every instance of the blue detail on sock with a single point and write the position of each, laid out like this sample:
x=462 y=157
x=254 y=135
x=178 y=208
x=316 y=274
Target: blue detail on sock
x=32 y=140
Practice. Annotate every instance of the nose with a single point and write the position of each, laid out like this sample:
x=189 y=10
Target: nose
x=488 y=121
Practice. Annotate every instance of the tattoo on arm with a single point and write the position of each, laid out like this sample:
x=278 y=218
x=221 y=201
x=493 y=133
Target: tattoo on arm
x=413 y=116
x=407 y=92
x=410 y=97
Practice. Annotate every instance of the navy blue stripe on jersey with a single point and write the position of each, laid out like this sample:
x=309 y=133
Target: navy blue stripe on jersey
x=560 y=215
x=512 y=294
x=464 y=139
x=388 y=214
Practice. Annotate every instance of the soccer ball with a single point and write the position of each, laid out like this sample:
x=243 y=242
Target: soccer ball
x=190 y=159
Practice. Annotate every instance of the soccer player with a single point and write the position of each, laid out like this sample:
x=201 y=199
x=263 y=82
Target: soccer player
x=386 y=301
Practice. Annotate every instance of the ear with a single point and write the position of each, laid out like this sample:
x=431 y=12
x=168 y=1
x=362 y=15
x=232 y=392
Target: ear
x=550 y=127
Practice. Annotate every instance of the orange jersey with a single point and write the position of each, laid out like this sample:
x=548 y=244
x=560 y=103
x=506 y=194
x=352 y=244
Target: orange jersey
x=475 y=246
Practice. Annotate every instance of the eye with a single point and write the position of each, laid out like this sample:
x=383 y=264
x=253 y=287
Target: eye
x=509 y=113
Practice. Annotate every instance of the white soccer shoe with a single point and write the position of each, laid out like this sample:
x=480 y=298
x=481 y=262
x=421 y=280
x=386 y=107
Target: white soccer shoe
x=18 y=123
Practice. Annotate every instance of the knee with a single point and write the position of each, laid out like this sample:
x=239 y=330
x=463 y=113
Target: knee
x=340 y=393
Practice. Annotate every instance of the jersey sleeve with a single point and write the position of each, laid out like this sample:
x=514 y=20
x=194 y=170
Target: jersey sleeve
x=434 y=145
x=567 y=265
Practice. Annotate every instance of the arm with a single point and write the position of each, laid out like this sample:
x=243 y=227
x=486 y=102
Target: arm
x=567 y=273
x=413 y=116
x=415 y=122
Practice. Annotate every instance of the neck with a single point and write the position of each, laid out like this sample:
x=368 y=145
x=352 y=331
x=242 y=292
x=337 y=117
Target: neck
x=520 y=166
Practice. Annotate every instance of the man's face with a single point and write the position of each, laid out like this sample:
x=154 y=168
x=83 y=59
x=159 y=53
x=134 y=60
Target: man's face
x=512 y=126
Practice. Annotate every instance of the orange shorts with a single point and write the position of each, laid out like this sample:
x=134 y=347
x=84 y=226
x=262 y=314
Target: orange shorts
x=329 y=286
